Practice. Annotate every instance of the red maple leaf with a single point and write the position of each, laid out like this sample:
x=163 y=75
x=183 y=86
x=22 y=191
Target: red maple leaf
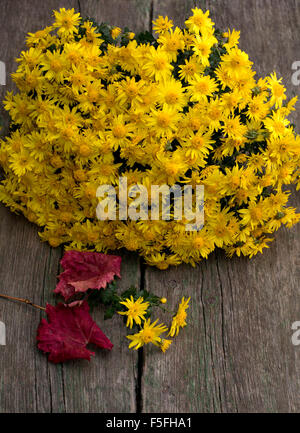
x=68 y=331
x=86 y=270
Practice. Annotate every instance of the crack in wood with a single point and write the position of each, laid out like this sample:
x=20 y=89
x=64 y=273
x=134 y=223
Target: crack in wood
x=151 y=11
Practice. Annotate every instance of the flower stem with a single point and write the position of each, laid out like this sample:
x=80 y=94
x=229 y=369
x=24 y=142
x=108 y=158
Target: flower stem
x=166 y=309
x=25 y=301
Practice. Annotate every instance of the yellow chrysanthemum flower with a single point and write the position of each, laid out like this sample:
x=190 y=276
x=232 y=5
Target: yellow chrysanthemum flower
x=66 y=21
x=115 y=32
x=179 y=320
x=136 y=310
x=149 y=334
x=162 y=24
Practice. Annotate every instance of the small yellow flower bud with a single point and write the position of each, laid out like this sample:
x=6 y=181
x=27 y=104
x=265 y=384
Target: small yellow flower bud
x=163 y=300
x=84 y=150
x=165 y=344
x=56 y=161
x=54 y=242
x=79 y=175
x=115 y=32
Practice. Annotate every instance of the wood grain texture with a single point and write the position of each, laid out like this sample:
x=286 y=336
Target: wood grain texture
x=108 y=383
x=236 y=354
x=177 y=10
x=28 y=383
x=134 y=14
x=28 y=268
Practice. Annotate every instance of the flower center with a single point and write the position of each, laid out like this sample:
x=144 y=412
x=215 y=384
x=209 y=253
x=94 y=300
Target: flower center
x=197 y=142
x=56 y=66
x=119 y=131
x=163 y=120
x=159 y=64
x=148 y=335
x=171 y=98
x=198 y=242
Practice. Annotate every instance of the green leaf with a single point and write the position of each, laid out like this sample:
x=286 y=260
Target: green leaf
x=109 y=312
x=108 y=295
x=145 y=37
x=52 y=48
x=129 y=292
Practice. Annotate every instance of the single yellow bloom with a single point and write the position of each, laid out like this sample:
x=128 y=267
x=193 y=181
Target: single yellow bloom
x=163 y=300
x=179 y=319
x=162 y=24
x=136 y=310
x=115 y=32
x=149 y=334
x=66 y=21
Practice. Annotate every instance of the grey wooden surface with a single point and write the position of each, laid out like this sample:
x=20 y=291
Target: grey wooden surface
x=236 y=355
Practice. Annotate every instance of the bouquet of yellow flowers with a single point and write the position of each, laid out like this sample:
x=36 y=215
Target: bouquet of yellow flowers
x=96 y=103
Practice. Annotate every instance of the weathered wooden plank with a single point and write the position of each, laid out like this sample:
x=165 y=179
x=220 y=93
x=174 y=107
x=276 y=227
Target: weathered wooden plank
x=28 y=267
x=25 y=261
x=28 y=383
x=230 y=368
x=134 y=14
x=176 y=10
x=108 y=383
x=236 y=354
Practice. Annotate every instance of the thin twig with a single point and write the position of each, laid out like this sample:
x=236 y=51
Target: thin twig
x=25 y=301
